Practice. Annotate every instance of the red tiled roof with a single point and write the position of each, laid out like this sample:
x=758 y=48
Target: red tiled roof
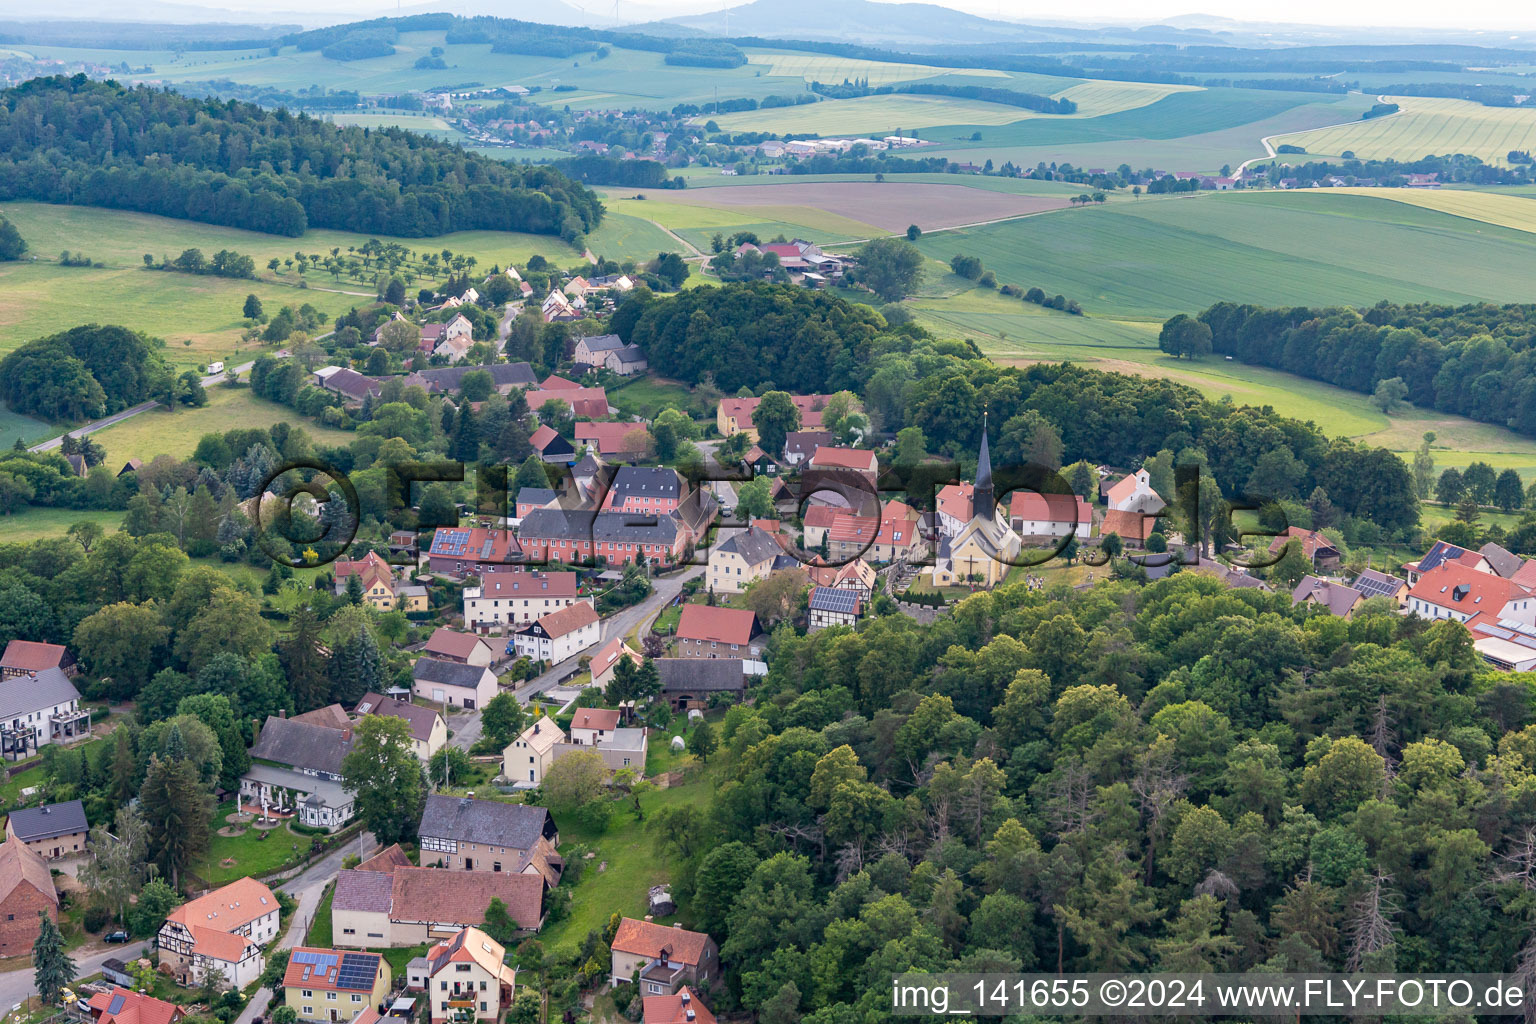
x=603 y=719
x=844 y=458
x=819 y=516
x=19 y=863
x=541 y=438
x=721 y=625
x=674 y=1009
x=510 y=582
x=956 y=500
x=648 y=939
x=568 y=620
x=325 y=977
x=460 y=897
x=386 y=860
x=1478 y=591
x=234 y=906
x=1127 y=525
x=610 y=438
x=554 y=383
x=1048 y=508
x=452 y=644
x=609 y=654
x=1311 y=542
x=810 y=406
x=133 y=1008
x=1123 y=488
x=589 y=402
x=32 y=655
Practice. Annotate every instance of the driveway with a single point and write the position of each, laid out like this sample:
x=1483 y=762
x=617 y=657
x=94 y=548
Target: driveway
x=466 y=725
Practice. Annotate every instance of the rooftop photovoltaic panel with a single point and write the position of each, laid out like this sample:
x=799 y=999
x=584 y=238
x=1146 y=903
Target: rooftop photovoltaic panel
x=116 y=1005
x=1376 y=586
x=358 y=971
x=835 y=599
x=305 y=956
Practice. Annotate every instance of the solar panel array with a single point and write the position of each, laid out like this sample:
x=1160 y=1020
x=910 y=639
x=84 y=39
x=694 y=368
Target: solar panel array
x=1377 y=585
x=835 y=599
x=116 y=1005
x=450 y=542
x=308 y=956
x=358 y=971
x=1513 y=631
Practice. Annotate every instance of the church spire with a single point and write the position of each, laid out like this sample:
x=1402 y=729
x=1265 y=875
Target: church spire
x=983 y=500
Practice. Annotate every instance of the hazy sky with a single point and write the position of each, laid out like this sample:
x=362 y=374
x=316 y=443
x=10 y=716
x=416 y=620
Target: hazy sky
x=1486 y=15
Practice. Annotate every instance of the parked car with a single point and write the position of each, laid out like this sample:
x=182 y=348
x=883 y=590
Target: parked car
x=117 y=936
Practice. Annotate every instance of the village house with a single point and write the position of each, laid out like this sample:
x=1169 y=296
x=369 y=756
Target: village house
x=1317 y=549
x=429 y=733
x=389 y=903
x=352 y=386
x=464 y=551
x=125 y=1006
x=27 y=895
x=590 y=726
x=856 y=575
x=224 y=930
x=453 y=683
x=593 y=351
x=434 y=335
x=607 y=659
x=560 y=535
x=742 y=559
x=528 y=757
x=1051 y=516
x=833 y=459
x=690 y=683
x=627 y=361
x=734 y=415
x=508 y=596
x=800 y=445
x=333 y=985
x=682 y=1007
x=556 y=636
x=530 y=498
x=447 y=380
x=833 y=606
x=550 y=446
x=380 y=589
x=619 y=442
x=645 y=490
x=39 y=708
x=1374 y=583
x=585 y=403
x=706 y=631
x=667 y=959
x=487 y=835
x=51 y=831
x=1332 y=596
x=1131 y=527
x=1454 y=591
x=467 y=980
x=24 y=657
x=1441 y=552
x=296 y=770
x=464 y=648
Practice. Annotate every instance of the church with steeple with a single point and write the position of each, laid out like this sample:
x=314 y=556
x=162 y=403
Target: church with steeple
x=985 y=548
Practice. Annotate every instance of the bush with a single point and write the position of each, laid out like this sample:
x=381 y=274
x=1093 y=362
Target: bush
x=96 y=918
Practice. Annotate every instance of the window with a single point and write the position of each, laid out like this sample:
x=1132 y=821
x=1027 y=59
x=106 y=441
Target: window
x=309 y=1010
x=349 y=931
x=309 y=994
x=331 y=996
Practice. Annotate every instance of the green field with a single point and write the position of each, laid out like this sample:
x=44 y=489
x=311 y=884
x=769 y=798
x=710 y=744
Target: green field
x=160 y=432
x=699 y=223
x=1426 y=126
x=1187 y=131
x=14 y=425
x=36 y=523
x=1505 y=209
x=1156 y=257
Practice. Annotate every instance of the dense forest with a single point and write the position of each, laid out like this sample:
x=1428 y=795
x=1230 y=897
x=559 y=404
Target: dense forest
x=1008 y=97
x=1477 y=361
x=84 y=373
x=763 y=336
x=70 y=140
x=1171 y=777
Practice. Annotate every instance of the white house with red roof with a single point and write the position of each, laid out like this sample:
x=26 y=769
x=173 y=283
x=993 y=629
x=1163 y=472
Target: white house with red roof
x=684 y=1007
x=225 y=929
x=710 y=631
x=607 y=659
x=1032 y=514
x=517 y=596
x=122 y=1006
x=591 y=726
x=559 y=635
x=1134 y=493
x=1455 y=591
x=464 y=648
x=847 y=459
x=26 y=657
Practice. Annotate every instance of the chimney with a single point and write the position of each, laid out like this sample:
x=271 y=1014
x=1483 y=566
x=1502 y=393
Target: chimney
x=255 y=729
x=688 y=1014
x=677 y=925
x=282 y=712
x=687 y=997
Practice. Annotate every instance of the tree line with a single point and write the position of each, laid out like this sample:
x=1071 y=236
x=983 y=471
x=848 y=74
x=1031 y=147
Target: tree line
x=1475 y=360
x=84 y=373
x=71 y=140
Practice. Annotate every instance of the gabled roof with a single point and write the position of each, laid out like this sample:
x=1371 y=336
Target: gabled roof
x=224 y=910
x=24 y=695
x=609 y=438
x=1125 y=486
x=837 y=600
x=547 y=439
x=332 y=970
x=33 y=656
x=48 y=821
x=1312 y=542
x=844 y=458
x=589 y=402
x=657 y=941
x=601 y=342
x=332 y=716
x=121 y=1006
x=514 y=826
x=421 y=720
x=1504 y=563
x=694 y=675
x=805 y=442
x=568 y=619
x=1127 y=525
x=20 y=865
x=363 y=891
x=810 y=406
x=1372 y=583
x=449 y=673
x=452 y=644
x=474 y=545
x=1453 y=585
x=644 y=482
x=1067 y=509
x=717 y=624
x=535 y=496
x=602 y=719
x=509 y=582
x=451 y=378
x=682 y=1008
x=474 y=945
x=301 y=745
x=1338 y=598
x=609 y=654
x=1440 y=551
x=755 y=546
x=543 y=735
x=386 y=860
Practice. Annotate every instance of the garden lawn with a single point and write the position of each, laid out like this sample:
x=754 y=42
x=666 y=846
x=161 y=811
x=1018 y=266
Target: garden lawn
x=251 y=856
x=319 y=933
x=646 y=396
x=162 y=432
x=632 y=866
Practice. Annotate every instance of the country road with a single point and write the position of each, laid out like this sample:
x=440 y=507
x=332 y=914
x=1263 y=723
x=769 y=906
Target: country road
x=466 y=726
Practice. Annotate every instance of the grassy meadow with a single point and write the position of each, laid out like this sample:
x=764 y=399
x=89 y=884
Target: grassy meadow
x=699 y=223
x=1424 y=126
x=1509 y=209
x=1156 y=257
x=162 y=432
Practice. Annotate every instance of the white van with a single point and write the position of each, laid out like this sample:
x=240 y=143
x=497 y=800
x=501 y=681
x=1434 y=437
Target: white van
x=215 y=367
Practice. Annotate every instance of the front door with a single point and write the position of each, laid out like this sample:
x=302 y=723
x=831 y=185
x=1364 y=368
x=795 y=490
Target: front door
x=469 y=864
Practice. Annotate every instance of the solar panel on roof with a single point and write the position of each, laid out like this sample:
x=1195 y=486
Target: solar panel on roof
x=116 y=1005
x=306 y=956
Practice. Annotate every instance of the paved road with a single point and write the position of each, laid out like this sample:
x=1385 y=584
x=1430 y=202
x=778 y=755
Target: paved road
x=466 y=726
x=307 y=888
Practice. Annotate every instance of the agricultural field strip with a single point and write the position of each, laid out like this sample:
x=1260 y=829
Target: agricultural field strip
x=1425 y=126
